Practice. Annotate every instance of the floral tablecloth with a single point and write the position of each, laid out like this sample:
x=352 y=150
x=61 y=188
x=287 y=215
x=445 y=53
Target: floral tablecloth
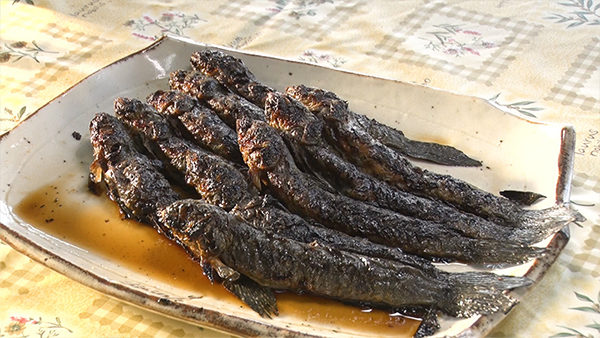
x=538 y=58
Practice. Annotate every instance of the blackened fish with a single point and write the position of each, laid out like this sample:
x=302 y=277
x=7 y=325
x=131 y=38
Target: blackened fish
x=223 y=102
x=281 y=263
x=132 y=181
x=268 y=158
x=232 y=73
x=142 y=192
x=214 y=178
x=200 y=122
x=303 y=132
x=228 y=189
x=380 y=161
x=393 y=138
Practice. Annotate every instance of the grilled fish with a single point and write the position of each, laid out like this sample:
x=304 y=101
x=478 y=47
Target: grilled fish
x=130 y=177
x=303 y=132
x=227 y=105
x=201 y=123
x=231 y=189
x=232 y=73
x=268 y=158
x=214 y=178
x=141 y=191
x=281 y=263
x=393 y=138
x=379 y=161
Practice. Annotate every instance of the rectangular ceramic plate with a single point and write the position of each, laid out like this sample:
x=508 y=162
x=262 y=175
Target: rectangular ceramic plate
x=517 y=154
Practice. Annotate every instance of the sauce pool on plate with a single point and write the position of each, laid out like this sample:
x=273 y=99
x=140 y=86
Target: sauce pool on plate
x=94 y=223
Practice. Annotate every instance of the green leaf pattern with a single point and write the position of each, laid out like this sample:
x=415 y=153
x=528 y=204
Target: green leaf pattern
x=582 y=13
x=593 y=308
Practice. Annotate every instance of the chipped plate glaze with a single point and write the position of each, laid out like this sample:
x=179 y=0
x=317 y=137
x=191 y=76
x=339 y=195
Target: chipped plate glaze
x=517 y=154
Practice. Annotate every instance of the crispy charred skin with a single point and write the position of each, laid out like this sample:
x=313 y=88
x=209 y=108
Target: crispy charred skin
x=232 y=73
x=142 y=192
x=262 y=213
x=201 y=123
x=132 y=181
x=227 y=105
x=229 y=188
x=267 y=156
x=303 y=131
x=380 y=161
x=214 y=178
x=281 y=263
x=388 y=136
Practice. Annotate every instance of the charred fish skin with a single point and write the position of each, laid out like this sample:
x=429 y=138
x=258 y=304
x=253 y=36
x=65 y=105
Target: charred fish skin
x=132 y=180
x=393 y=138
x=213 y=177
x=266 y=155
x=232 y=73
x=303 y=130
x=227 y=105
x=260 y=213
x=282 y=263
x=137 y=186
x=379 y=161
x=204 y=126
x=234 y=192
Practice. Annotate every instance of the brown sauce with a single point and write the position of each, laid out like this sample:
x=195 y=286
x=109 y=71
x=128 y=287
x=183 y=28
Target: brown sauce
x=94 y=223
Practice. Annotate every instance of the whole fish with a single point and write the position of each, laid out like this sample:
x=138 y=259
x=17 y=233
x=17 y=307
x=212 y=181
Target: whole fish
x=200 y=122
x=232 y=73
x=281 y=263
x=267 y=157
x=378 y=160
x=141 y=192
x=393 y=138
x=303 y=131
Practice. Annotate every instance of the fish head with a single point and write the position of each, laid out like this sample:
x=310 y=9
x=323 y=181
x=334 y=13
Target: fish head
x=171 y=102
x=142 y=117
x=261 y=147
x=285 y=113
x=109 y=138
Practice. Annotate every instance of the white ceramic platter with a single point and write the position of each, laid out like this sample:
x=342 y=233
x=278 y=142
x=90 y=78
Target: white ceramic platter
x=517 y=154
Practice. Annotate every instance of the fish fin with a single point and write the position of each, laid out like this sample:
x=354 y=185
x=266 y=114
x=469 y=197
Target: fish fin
x=259 y=298
x=224 y=272
x=481 y=293
x=434 y=152
x=536 y=225
x=522 y=197
x=255 y=179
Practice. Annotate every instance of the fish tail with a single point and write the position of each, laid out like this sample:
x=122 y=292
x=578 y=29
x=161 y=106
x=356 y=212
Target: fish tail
x=536 y=225
x=259 y=298
x=482 y=293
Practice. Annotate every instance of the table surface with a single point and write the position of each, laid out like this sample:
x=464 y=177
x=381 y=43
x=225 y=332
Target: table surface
x=539 y=59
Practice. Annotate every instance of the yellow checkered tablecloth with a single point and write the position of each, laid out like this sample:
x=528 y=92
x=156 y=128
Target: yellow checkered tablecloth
x=538 y=58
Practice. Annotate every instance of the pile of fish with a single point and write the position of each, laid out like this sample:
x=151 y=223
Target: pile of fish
x=291 y=190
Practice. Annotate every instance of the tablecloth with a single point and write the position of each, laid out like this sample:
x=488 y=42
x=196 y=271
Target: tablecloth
x=536 y=58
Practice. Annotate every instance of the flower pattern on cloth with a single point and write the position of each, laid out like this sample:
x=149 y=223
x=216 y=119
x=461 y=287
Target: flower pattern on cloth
x=173 y=23
x=19 y=326
x=456 y=41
